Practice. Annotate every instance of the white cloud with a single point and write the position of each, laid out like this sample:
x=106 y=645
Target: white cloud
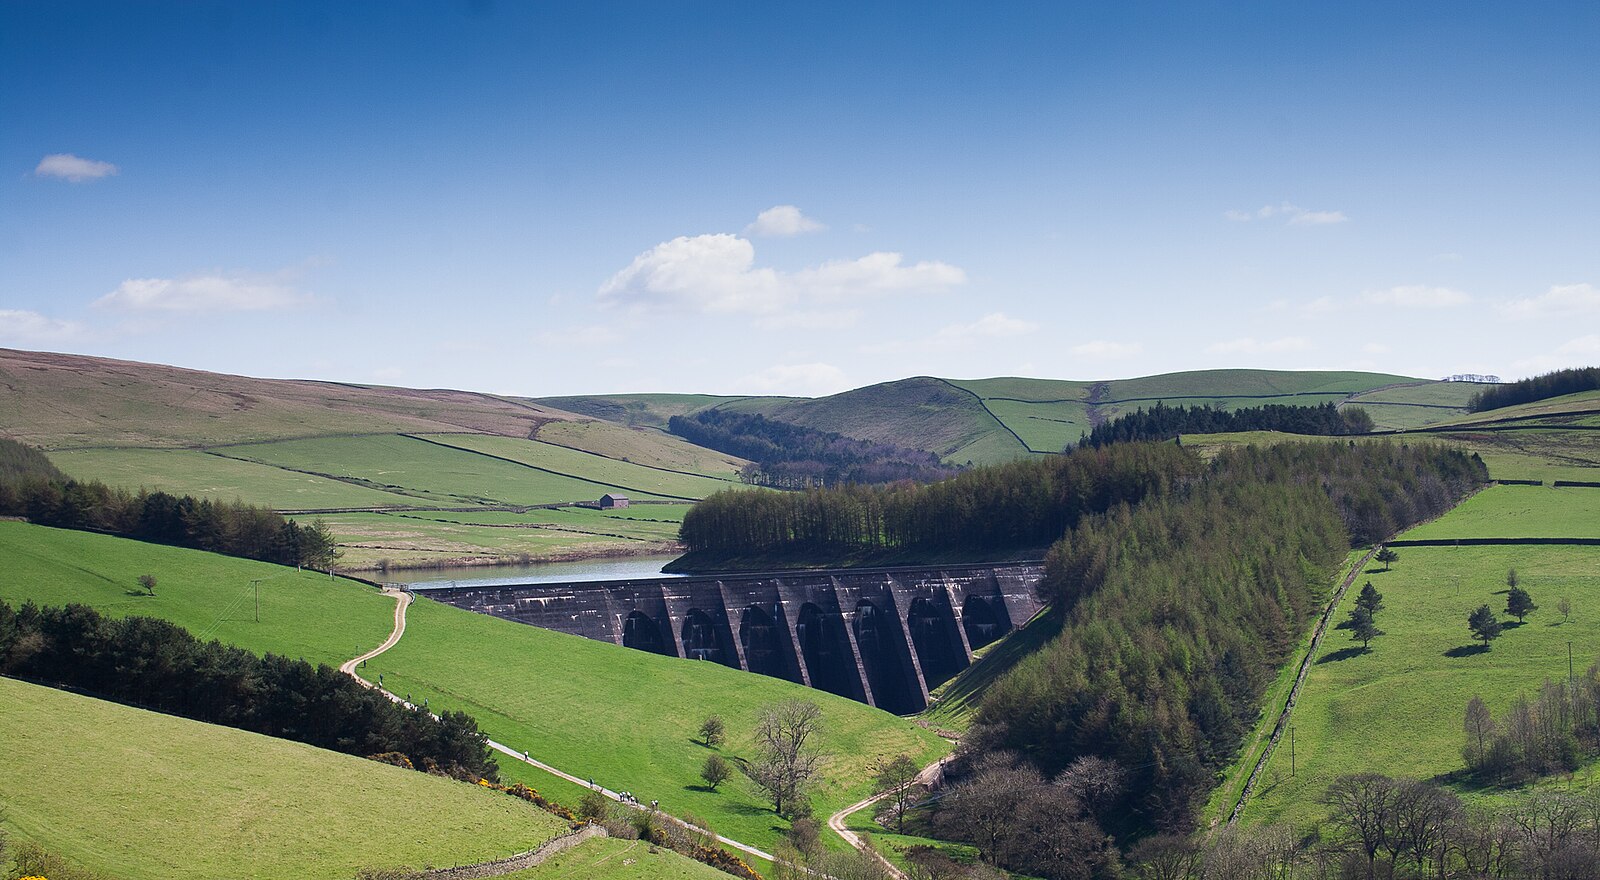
x=1290 y=213
x=1105 y=349
x=797 y=380
x=73 y=168
x=586 y=336
x=1251 y=345
x=1559 y=301
x=826 y=319
x=203 y=293
x=24 y=327
x=1417 y=296
x=782 y=221
x=1322 y=305
x=1586 y=345
x=995 y=325
x=717 y=274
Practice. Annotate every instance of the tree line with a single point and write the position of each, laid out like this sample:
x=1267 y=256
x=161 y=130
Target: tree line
x=796 y=457
x=1021 y=504
x=1551 y=733
x=1162 y=422
x=31 y=487
x=1543 y=387
x=156 y=664
x=1175 y=614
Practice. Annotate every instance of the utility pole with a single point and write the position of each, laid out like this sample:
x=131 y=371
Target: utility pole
x=1291 y=750
x=257 y=584
x=1569 y=663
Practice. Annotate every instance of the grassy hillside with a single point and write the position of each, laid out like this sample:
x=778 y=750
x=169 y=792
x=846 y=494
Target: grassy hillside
x=623 y=716
x=1398 y=708
x=627 y=718
x=303 y=614
x=640 y=410
x=138 y=794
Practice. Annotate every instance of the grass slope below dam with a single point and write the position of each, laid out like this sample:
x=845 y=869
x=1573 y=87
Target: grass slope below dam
x=625 y=717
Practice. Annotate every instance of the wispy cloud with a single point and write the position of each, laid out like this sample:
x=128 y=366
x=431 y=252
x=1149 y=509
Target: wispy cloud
x=1287 y=212
x=782 y=221
x=239 y=292
x=1417 y=296
x=1105 y=349
x=717 y=274
x=1565 y=300
x=27 y=328
x=995 y=325
x=798 y=380
x=1251 y=345
x=73 y=168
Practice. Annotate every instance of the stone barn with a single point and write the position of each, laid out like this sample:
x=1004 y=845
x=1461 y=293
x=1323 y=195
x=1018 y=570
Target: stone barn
x=613 y=502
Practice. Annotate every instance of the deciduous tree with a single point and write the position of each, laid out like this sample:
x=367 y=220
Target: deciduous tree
x=897 y=779
x=715 y=771
x=712 y=731
x=786 y=752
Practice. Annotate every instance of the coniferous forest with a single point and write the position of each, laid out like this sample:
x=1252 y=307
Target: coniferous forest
x=1162 y=422
x=1542 y=387
x=1021 y=504
x=1175 y=614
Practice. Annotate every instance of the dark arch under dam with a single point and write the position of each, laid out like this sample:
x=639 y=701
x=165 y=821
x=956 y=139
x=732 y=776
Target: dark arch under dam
x=884 y=636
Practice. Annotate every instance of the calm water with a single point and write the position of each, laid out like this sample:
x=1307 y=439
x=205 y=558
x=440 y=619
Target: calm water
x=533 y=573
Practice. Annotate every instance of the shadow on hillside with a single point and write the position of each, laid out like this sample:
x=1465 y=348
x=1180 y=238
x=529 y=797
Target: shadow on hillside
x=1513 y=624
x=1342 y=654
x=1467 y=650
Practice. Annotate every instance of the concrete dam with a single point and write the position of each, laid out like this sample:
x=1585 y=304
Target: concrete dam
x=883 y=636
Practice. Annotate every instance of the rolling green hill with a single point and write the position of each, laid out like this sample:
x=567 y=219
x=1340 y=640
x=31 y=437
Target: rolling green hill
x=990 y=420
x=138 y=794
x=328 y=447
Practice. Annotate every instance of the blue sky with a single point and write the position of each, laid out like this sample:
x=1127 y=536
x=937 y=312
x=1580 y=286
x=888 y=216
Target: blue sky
x=747 y=198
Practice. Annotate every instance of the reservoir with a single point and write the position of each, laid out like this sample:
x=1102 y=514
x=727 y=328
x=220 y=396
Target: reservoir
x=620 y=568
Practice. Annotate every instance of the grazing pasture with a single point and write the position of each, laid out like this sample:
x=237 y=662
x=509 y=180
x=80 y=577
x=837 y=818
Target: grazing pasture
x=1397 y=708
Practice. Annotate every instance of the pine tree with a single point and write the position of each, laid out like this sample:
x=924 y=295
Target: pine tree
x=1370 y=598
x=1519 y=603
x=1484 y=625
x=1362 y=629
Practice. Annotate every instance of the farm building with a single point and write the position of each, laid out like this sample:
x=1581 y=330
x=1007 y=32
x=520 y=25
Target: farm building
x=612 y=502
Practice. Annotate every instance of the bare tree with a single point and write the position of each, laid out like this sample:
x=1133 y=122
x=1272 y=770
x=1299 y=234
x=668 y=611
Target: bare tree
x=898 y=779
x=715 y=771
x=1362 y=805
x=983 y=808
x=786 y=755
x=1165 y=857
x=148 y=582
x=1095 y=782
x=1479 y=726
x=1565 y=607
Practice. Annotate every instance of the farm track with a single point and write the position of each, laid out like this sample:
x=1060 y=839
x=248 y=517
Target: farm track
x=928 y=776
x=403 y=600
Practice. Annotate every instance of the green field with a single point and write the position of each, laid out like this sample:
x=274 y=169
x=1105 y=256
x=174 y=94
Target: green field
x=302 y=614
x=641 y=446
x=1398 y=708
x=138 y=794
x=624 y=475
x=626 y=717
x=204 y=475
x=1519 y=512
